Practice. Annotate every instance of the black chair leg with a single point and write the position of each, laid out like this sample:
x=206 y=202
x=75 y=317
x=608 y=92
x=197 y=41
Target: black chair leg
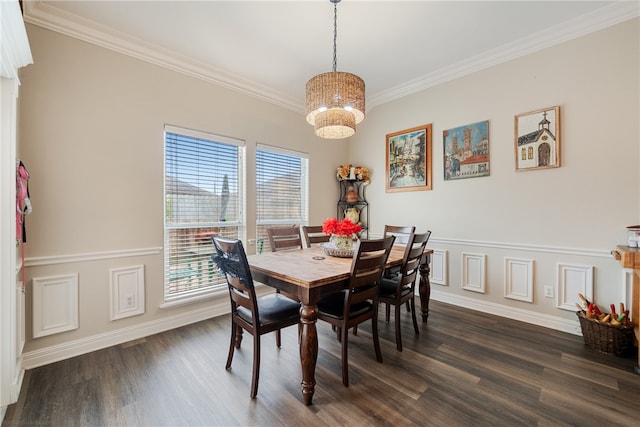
x=345 y=355
x=256 y=366
x=398 y=309
x=376 y=342
x=232 y=345
x=413 y=315
x=278 y=338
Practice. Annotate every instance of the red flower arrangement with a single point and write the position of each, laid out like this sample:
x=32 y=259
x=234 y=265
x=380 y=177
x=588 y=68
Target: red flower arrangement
x=340 y=228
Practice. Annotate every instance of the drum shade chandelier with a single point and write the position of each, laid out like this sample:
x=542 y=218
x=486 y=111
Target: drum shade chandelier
x=335 y=100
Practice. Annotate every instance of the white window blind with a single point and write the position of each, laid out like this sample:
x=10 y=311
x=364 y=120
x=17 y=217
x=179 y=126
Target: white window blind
x=203 y=198
x=281 y=191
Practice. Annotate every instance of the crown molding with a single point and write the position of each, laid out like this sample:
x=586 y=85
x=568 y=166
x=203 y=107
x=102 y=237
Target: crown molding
x=54 y=19
x=603 y=18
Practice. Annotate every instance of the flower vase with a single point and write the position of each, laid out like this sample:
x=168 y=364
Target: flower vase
x=341 y=242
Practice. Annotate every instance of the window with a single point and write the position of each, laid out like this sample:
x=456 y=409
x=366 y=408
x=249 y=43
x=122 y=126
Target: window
x=281 y=191
x=203 y=197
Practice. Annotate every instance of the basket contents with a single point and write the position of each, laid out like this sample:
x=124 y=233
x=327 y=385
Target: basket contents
x=610 y=333
x=592 y=311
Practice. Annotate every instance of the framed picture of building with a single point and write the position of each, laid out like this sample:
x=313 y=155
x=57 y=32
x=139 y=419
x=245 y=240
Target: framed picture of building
x=537 y=139
x=466 y=151
x=408 y=159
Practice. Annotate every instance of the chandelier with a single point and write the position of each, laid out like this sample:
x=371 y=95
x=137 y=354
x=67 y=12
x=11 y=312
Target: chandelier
x=335 y=100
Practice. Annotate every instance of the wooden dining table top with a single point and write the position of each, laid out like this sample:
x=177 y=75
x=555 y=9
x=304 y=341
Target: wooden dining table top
x=311 y=267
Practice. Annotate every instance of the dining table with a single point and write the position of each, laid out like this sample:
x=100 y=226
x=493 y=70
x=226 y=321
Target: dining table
x=307 y=275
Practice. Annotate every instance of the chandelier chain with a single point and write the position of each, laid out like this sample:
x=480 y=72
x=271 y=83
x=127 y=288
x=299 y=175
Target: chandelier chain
x=335 y=34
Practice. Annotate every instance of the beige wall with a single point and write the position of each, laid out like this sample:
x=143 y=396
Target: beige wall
x=584 y=205
x=92 y=138
x=91 y=135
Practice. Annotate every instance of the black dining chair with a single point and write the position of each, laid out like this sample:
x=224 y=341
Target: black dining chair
x=257 y=316
x=284 y=238
x=403 y=234
x=400 y=288
x=313 y=235
x=359 y=302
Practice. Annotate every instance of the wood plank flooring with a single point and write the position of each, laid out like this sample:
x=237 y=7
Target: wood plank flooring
x=464 y=369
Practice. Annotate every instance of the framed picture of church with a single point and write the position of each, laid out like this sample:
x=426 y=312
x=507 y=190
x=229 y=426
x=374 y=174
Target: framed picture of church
x=537 y=139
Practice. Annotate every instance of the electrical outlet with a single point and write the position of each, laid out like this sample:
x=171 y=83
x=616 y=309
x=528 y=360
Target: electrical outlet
x=130 y=301
x=548 y=291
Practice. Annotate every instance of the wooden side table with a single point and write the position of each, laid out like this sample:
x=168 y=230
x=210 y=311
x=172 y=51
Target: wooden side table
x=630 y=258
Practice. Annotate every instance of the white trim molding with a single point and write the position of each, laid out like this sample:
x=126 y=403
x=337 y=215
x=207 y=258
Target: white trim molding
x=55 y=304
x=528 y=316
x=439 y=267
x=518 y=279
x=524 y=247
x=90 y=256
x=50 y=17
x=474 y=272
x=66 y=350
x=572 y=280
x=127 y=291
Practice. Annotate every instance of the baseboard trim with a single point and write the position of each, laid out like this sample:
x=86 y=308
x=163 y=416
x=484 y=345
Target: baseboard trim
x=527 y=316
x=44 y=356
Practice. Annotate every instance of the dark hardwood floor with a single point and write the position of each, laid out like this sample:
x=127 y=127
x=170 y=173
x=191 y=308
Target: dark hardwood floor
x=464 y=369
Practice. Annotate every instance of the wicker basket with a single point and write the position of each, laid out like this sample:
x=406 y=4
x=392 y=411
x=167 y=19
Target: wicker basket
x=605 y=337
x=336 y=252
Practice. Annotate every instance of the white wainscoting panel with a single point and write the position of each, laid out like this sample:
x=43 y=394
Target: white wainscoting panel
x=474 y=275
x=55 y=304
x=127 y=291
x=518 y=279
x=439 y=265
x=573 y=279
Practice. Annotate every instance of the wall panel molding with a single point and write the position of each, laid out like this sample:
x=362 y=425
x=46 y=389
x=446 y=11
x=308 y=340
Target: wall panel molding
x=573 y=279
x=90 y=256
x=55 y=304
x=439 y=267
x=127 y=291
x=518 y=279
x=474 y=272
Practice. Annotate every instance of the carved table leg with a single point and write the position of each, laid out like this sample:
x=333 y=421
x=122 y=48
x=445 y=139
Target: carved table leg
x=425 y=289
x=308 y=350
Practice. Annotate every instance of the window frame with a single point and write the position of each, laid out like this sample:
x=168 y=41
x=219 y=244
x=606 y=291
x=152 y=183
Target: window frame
x=262 y=242
x=239 y=223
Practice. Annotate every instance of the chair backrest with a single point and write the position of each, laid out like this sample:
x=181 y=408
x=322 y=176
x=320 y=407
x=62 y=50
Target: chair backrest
x=231 y=259
x=402 y=232
x=313 y=234
x=367 y=266
x=281 y=238
x=412 y=257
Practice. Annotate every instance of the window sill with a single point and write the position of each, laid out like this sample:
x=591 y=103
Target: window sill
x=261 y=289
x=194 y=299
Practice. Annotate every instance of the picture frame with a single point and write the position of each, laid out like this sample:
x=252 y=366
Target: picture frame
x=537 y=139
x=466 y=151
x=408 y=159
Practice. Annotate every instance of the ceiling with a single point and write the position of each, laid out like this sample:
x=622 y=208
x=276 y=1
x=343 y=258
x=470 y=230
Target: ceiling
x=269 y=49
